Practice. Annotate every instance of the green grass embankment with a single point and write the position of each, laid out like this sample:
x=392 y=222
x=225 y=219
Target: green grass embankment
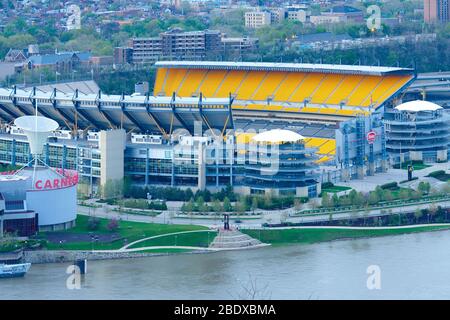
x=317 y=234
x=131 y=231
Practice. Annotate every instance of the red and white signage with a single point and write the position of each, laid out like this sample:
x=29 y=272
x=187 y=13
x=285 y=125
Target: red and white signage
x=70 y=178
x=371 y=136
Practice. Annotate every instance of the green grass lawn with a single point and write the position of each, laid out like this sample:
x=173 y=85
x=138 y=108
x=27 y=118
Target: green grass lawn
x=416 y=166
x=335 y=189
x=308 y=236
x=442 y=177
x=200 y=239
x=132 y=231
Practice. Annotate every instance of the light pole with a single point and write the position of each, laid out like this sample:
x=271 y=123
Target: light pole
x=2 y=212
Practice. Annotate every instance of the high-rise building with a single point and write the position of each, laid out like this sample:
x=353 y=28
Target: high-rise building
x=436 y=11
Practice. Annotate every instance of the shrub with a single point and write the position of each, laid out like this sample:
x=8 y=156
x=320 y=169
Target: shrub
x=326 y=185
x=389 y=186
x=93 y=223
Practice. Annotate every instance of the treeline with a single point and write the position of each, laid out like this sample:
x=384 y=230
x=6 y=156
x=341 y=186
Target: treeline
x=385 y=193
x=248 y=203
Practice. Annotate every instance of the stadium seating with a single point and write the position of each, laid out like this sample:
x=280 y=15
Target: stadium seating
x=324 y=146
x=191 y=83
x=231 y=82
x=251 y=84
x=292 y=81
x=323 y=92
x=269 y=85
x=347 y=86
x=211 y=82
x=159 y=81
x=328 y=86
x=173 y=80
x=307 y=87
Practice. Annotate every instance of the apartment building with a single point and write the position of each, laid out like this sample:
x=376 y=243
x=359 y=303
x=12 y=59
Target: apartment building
x=257 y=19
x=436 y=11
x=176 y=44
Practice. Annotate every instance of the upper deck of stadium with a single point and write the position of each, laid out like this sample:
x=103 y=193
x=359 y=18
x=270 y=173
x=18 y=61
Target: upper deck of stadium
x=335 y=91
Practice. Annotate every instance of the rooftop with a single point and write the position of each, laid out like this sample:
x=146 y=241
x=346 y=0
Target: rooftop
x=278 y=136
x=417 y=106
x=275 y=66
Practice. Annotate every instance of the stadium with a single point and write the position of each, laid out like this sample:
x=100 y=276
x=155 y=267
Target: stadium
x=170 y=137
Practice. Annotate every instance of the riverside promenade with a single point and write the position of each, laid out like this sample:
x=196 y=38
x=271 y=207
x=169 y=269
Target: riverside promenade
x=273 y=217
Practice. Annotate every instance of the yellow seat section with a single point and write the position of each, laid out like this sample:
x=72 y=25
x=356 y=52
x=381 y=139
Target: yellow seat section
x=267 y=88
x=250 y=84
x=288 y=86
x=212 y=81
x=309 y=110
x=230 y=84
x=323 y=145
x=328 y=86
x=323 y=159
x=244 y=137
x=159 y=81
x=350 y=113
x=388 y=87
x=173 y=80
x=363 y=91
x=345 y=88
x=191 y=83
x=308 y=86
x=329 y=147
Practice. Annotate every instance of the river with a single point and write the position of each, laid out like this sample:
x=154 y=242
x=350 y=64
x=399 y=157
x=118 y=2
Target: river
x=414 y=266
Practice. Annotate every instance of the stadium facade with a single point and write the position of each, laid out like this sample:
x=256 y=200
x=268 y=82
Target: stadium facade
x=197 y=128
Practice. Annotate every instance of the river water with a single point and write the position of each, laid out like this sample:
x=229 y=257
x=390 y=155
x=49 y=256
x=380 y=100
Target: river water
x=414 y=266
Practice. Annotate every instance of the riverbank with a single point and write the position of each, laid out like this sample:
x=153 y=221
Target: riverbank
x=309 y=235
x=64 y=256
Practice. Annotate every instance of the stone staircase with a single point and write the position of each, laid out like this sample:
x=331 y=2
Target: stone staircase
x=233 y=239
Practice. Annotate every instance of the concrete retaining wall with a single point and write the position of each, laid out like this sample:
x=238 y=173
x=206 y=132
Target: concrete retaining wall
x=57 y=256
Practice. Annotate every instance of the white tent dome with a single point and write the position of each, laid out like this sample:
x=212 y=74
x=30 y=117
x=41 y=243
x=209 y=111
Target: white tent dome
x=278 y=136
x=417 y=106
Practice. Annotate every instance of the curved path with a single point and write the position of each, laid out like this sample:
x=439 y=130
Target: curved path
x=125 y=248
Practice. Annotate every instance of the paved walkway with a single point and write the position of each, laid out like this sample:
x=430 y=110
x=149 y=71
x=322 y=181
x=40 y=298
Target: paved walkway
x=272 y=217
x=396 y=175
x=362 y=228
x=125 y=248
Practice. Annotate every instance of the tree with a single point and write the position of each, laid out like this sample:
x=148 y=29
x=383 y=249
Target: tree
x=335 y=200
x=298 y=204
x=113 y=225
x=227 y=205
x=423 y=187
x=326 y=200
x=189 y=206
x=217 y=206
x=240 y=206
x=418 y=214
x=200 y=204
x=254 y=205
x=283 y=217
x=93 y=223
x=432 y=210
x=373 y=198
